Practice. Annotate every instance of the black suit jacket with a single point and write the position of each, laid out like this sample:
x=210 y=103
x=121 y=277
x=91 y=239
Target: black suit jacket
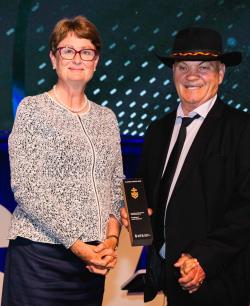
x=208 y=214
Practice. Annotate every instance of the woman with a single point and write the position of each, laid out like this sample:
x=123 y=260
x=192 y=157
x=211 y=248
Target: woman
x=66 y=172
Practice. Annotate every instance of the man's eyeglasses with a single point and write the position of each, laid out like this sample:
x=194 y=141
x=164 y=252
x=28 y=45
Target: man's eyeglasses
x=69 y=53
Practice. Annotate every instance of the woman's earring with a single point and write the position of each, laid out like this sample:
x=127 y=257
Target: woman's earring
x=54 y=67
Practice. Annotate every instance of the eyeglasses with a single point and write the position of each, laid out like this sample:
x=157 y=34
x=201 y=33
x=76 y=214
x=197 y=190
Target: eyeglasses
x=69 y=53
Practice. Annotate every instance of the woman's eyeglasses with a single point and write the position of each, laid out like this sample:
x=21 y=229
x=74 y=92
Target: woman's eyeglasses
x=69 y=53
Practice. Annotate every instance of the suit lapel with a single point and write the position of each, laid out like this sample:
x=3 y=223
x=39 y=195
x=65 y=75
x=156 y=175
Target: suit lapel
x=163 y=135
x=164 y=140
x=199 y=145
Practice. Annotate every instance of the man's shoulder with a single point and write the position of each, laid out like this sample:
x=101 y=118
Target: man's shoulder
x=162 y=124
x=236 y=115
x=167 y=119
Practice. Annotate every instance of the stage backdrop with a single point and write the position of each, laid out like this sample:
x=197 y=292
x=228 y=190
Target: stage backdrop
x=129 y=78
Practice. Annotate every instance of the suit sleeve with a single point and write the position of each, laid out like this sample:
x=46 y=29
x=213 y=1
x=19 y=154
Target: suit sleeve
x=228 y=239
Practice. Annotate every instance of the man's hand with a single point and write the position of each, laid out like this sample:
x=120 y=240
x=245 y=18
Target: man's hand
x=186 y=263
x=192 y=274
x=124 y=215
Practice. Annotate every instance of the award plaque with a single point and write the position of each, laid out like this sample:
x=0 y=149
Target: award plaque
x=140 y=229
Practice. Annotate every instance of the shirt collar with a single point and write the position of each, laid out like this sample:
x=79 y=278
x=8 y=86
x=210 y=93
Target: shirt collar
x=202 y=110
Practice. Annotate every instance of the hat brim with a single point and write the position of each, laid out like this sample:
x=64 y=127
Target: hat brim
x=229 y=59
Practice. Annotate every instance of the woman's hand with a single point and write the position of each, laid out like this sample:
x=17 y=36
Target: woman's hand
x=124 y=215
x=99 y=259
x=104 y=255
x=108 y=252
x=97 y=262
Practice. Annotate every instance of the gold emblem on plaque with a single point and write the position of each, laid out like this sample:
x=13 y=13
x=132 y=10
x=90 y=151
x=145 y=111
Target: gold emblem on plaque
x=134 y=193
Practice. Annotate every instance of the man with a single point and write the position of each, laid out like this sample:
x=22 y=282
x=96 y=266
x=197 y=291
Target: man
x=200 y=192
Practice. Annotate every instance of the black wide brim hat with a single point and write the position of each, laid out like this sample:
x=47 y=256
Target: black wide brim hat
x=199 y=44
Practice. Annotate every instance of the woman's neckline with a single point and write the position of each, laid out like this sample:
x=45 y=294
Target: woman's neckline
x=64 y=107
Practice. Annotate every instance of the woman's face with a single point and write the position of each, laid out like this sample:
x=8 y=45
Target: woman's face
x=75 y=70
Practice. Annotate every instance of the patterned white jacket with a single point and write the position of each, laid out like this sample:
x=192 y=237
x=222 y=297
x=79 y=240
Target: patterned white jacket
x=66 y=172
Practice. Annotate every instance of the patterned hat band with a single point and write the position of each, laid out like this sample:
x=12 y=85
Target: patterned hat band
x=198 y=53
x=199 y=44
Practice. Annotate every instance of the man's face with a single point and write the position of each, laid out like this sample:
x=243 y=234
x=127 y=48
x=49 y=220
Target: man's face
x=196 y=82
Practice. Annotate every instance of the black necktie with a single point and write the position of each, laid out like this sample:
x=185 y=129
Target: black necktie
x=166 y=180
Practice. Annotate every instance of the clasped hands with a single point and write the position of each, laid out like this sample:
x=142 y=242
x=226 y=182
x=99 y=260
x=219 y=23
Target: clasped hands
x=192 y=274
x=99 y=259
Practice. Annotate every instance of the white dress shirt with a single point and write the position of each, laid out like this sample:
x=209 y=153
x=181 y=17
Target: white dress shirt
x=192 y=129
